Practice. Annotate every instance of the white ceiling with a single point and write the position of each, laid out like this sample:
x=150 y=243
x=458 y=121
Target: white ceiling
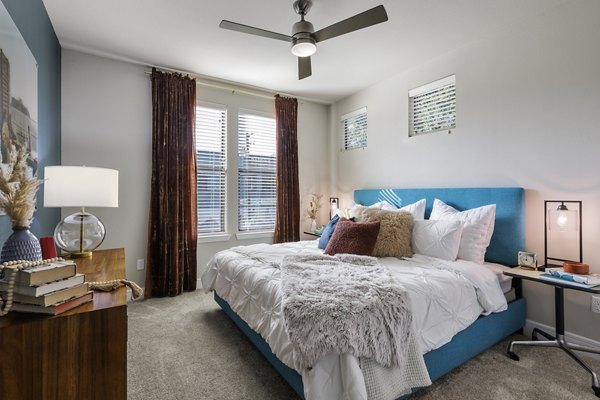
x=185 y=35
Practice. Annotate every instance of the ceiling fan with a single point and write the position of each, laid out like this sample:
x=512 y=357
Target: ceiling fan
x=304 y=39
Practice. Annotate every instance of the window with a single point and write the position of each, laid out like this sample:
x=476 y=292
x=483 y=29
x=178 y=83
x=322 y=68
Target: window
x=211 y=131
x=354 y=126
x=257 y=169
x=432 y=107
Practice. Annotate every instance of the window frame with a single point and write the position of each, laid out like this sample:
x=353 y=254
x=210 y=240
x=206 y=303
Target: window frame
x=222 y=234
x=356 y=116
x=446 y=124
x=257 y=232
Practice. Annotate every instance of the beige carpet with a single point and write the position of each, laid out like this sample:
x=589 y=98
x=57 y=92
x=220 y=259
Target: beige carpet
x=187 y=348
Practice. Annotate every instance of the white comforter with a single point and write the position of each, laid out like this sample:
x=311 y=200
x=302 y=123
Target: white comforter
x=446 y=297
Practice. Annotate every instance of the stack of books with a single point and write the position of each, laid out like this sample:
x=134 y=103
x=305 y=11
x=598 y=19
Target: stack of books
x=559 y=275
x=48 y=289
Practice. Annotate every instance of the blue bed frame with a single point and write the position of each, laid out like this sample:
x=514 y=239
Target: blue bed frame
x=508 y=239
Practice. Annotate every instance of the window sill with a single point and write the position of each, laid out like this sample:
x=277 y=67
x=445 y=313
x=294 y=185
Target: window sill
x=220 y=237
x=254 y=235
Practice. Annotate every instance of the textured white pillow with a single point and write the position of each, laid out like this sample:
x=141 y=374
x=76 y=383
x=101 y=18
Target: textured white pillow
x=417 y=209
x=440 y=239
x=477 y=231
x=384 y=205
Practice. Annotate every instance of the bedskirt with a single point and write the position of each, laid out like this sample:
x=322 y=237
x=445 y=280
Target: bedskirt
x=479 y=336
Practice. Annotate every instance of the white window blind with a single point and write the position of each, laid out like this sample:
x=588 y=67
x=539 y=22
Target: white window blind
x=354 y=126
x=211 y=132
x=432 y=107
x=257 y=169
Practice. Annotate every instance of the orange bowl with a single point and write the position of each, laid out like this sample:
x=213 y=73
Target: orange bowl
x=576 y=268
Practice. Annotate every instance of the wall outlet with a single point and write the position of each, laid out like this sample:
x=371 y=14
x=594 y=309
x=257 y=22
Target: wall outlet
x=140 y=264
x=596 y=304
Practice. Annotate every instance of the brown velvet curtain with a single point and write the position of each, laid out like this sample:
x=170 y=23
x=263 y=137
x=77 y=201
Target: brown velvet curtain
x=172 y=228
x=287 y=220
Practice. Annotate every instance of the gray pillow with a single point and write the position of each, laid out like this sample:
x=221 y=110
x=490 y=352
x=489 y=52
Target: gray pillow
x=395 y=233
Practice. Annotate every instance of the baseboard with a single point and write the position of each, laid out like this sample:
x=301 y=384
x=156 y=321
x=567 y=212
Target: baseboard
x=571 y=337
x=130 y=297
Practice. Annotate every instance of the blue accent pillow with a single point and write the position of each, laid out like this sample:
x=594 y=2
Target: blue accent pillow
x=328 y=231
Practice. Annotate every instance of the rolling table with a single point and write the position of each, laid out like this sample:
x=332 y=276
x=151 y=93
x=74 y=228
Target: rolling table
x=559 y=311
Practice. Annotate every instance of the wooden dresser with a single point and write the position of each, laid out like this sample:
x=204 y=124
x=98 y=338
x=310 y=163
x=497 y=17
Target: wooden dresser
x=81 y=354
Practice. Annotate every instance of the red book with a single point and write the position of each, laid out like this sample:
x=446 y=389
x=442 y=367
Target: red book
x=48 y=247
x=55 y=309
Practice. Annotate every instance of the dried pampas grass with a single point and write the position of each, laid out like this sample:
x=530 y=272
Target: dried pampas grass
x=17 y=190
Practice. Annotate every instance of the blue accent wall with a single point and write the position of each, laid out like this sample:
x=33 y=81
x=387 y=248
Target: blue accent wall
x=34 y=24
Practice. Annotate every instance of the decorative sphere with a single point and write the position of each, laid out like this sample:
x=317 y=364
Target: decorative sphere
x=79 y=233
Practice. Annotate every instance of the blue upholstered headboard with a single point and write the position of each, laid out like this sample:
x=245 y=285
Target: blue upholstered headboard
x=509 y=230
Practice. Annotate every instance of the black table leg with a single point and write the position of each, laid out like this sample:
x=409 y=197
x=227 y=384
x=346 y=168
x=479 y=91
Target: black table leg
x=559 y=341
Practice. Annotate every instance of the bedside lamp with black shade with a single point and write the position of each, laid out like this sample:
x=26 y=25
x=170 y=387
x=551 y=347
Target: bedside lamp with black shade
x=81 y=233
x=563 y=225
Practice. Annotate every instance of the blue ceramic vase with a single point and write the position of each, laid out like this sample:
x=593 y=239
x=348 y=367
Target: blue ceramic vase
x=21 y=245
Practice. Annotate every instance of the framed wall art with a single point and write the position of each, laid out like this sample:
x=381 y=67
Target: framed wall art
x=18 y=93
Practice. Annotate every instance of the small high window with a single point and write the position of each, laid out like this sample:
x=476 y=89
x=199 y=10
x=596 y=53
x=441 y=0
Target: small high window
x=354 y=127
x=432 y=107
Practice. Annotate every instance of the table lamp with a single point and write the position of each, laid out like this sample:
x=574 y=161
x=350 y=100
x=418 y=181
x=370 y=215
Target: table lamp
x=334 y=204
x=560 y=219
x=81 y=233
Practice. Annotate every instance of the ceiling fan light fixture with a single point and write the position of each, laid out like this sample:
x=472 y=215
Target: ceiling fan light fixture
x=304 y=47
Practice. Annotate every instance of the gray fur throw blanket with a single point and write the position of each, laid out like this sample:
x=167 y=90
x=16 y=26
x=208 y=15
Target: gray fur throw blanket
x=345 y=304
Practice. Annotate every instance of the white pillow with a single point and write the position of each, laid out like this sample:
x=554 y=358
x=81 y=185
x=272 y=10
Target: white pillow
x=417 y=209
x=384 y=205
x=477 y=231
x=440 y=239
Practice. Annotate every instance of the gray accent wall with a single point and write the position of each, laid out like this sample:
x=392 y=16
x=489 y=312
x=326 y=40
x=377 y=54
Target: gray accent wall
x=34 y=24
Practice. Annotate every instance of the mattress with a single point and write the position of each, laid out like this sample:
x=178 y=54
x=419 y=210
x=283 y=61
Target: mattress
x=446 y=297
x=505 y=281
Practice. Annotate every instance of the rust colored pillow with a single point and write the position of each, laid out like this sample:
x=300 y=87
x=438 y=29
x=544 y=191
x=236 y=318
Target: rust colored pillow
x=352 y=238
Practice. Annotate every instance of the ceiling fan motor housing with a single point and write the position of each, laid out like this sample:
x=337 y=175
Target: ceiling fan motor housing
x=303 y=28
x=302 y=37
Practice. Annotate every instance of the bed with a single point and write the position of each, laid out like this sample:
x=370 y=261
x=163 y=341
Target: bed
x=480 y=333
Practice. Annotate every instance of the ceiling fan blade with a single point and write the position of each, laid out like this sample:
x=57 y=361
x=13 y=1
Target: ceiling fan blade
x=365 y=19
x=304 y=67
x=234 y=26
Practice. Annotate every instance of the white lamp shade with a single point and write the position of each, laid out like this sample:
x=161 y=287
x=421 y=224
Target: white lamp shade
x=66 y=186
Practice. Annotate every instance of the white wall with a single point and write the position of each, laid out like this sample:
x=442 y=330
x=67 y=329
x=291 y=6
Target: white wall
x=106 y=122
x=528 y=100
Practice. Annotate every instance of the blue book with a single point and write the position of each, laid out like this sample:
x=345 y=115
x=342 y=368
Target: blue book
x=558 y=275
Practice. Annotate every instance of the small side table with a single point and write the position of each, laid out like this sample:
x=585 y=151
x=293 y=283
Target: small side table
x=79 y=354
x=559 y=311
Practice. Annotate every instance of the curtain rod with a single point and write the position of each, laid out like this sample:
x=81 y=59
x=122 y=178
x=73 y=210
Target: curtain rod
x=226 y=86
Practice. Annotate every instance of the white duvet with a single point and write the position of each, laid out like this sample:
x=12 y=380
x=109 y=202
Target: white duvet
x=446 y=297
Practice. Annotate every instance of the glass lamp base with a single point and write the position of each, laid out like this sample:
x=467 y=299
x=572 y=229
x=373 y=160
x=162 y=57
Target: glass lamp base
x=79 y=234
